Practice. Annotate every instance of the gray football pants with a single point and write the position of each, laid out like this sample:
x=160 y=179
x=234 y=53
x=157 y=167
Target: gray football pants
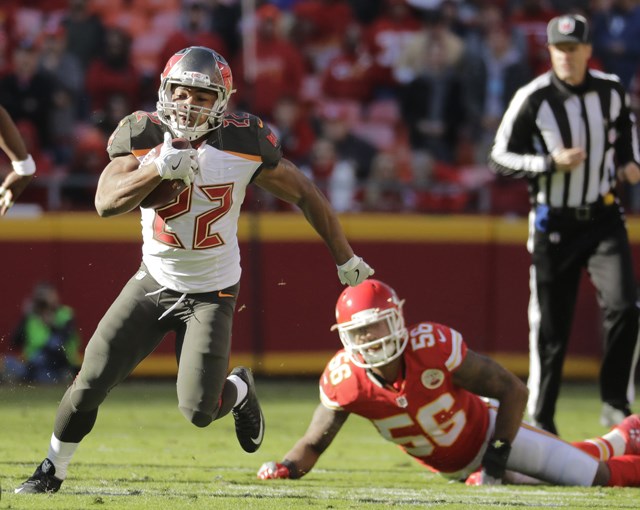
x=130 y=331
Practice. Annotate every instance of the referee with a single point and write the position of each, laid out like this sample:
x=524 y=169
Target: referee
x=571 y=133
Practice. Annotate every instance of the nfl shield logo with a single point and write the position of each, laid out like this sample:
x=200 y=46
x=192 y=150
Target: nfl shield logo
x=566 y=25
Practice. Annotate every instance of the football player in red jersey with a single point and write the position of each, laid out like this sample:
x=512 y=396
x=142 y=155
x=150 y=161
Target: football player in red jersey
x=420 y=388
x=189 y=279
x=23 y=166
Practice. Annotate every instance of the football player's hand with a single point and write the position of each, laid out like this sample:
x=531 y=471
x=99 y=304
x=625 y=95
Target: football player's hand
x=11 y=189
x=354 y=271
x=175 y=163
x=273 y=470
x=494 y=461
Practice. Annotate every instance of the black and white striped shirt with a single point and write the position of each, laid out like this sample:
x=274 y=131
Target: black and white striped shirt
x=546 y=115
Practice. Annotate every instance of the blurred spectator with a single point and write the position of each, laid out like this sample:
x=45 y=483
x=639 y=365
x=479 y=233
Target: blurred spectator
x=274 y=70
x=414 y=58
x=491 y=17
x=195 y=30
x=294 y=129
x=365 y=11
x=386 y=38
x=69 y=98
x=490 y=81
x=89 y=159
x=28 y=92
x=47 y=339
x=113 y=73
x=616 y=39
x=85 y=31
x=385 y=189
x=349 y=75
x=318 y=29
x=335 y=176
x=532 y=16
x=432 y=106
x=225 y=20
x=336 y=121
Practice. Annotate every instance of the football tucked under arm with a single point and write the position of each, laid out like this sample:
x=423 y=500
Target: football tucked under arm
x=169 y=188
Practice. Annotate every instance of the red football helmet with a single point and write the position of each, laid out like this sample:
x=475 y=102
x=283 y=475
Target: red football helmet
x=370 y=302
x=200 y=67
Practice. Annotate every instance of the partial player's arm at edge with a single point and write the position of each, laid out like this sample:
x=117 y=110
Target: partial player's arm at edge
x=324 y=426
x=123 y=184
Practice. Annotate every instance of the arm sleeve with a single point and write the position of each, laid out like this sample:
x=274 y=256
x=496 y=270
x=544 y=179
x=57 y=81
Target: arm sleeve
x=512 y=152
x=626 y=144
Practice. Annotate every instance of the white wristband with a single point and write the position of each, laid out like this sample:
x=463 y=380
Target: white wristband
x=25 y=167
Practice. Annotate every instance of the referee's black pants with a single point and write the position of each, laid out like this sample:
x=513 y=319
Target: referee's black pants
x=562 y=246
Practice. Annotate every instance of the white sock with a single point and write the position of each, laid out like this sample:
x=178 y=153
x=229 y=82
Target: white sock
x=241 y=387
x=60 y=454
x=616 y=439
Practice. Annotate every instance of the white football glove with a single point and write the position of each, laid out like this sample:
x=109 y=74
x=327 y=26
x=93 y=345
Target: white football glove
x=175 y=163
x=354 y=271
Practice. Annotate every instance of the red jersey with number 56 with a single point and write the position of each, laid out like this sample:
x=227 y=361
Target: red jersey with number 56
x=424 y=412
x=191 y=245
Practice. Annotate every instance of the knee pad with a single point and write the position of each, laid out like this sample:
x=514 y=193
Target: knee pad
x=198 y=418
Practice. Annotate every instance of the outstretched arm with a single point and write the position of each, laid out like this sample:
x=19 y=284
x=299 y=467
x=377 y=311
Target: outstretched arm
x=288 y=183
x=298 y=461
x=23 y=166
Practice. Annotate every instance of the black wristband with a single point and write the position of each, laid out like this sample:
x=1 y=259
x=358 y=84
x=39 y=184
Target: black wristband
x=494 y=461
x=293 y=469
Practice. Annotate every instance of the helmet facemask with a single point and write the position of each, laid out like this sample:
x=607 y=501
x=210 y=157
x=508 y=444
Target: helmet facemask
x=379 y=351
x=194 y=67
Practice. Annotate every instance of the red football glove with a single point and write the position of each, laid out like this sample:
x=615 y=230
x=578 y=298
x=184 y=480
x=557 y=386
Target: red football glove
x=273 y=470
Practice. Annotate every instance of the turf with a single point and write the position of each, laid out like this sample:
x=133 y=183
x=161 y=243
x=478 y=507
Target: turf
x=142 y=454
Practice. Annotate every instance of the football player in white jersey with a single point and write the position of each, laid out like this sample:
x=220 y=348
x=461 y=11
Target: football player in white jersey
x=189 y=278
x=23 y=166
x=419 y=387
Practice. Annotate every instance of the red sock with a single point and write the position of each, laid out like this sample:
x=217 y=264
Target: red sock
x=625 y=471
x=599 y=448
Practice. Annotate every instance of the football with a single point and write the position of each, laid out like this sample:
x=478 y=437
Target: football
x=169 y=189
x=163 y=193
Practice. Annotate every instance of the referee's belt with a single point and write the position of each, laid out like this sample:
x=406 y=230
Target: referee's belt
x=585 y=212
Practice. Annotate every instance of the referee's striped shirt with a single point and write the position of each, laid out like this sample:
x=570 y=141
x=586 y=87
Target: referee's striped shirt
x=546 y=115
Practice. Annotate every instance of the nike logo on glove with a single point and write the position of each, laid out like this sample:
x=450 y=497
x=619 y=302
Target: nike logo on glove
x=357 y=274
x=223 y=294
x=175 y=167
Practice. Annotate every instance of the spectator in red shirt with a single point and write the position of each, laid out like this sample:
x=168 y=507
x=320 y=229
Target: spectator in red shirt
x=349 y=74
x=274 y=70
x=295 y=131
x=387 y=36
x=113 y=73
x=318 y=29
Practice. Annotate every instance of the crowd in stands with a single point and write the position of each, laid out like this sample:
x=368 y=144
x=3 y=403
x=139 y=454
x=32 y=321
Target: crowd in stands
x=390 y=105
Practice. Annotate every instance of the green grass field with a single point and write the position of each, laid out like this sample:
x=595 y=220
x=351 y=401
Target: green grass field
x=142 y=454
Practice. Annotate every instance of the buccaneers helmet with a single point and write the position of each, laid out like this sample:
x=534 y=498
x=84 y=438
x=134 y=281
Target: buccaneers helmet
x=370 y=302
x=200 y=67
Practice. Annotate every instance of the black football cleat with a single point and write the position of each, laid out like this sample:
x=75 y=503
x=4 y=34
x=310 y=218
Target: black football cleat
x=248 y=415
x=43 y=480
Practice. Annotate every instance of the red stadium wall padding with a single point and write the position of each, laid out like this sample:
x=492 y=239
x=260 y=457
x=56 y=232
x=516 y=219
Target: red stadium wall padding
x=467 y=272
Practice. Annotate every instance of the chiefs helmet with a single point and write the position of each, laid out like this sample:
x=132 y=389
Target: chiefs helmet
x=370 y=302
x=200 y=67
